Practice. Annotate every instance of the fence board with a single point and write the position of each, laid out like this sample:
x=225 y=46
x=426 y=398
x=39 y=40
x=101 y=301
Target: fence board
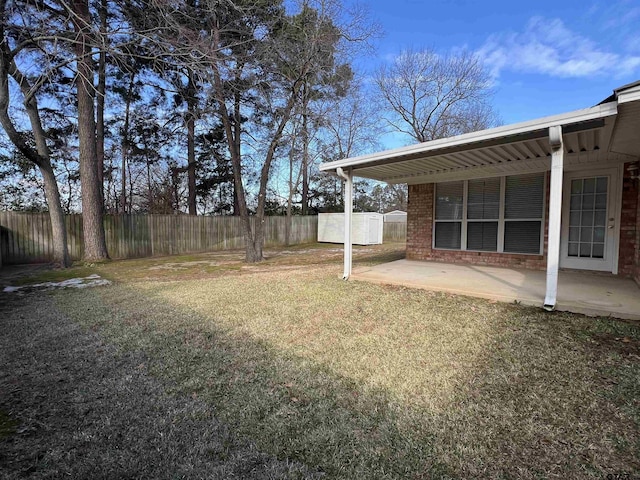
x=26 y=237
x=394 y=232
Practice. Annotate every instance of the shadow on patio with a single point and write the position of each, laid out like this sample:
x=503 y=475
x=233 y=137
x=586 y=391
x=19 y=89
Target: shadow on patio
x=588 y=293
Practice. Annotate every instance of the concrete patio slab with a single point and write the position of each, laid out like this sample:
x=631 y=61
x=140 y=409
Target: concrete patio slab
x=594 y=294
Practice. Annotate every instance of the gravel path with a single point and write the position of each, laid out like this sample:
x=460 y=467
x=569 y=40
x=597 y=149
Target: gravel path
x=81 y=409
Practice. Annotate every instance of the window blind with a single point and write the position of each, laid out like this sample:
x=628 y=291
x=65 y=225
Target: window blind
x=482 y=236
x=447 y=235
x=522 y=200
x=524 y=197
x=449 y=198
x=523 y=210
x=522 y=237
x=483 y=199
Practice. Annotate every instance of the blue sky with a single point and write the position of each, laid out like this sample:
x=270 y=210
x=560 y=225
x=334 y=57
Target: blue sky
x=545 y=57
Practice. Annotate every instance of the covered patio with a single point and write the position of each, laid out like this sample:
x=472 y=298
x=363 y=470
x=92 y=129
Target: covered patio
x=483 y=205
x=589 y=293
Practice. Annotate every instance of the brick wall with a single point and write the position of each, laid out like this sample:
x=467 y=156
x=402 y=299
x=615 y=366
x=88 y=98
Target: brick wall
x=629 y=228
x=420 y=231
x=636 y=273
x=420 y=221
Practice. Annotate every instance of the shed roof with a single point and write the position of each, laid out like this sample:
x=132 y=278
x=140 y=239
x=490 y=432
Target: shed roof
x=396 y=212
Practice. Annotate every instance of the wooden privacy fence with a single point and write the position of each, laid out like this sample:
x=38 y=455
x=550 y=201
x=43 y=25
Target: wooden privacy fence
x=26 y=237
x=394 y=232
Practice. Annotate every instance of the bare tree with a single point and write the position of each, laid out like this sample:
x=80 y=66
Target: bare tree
x=351 y=127
x=433 y=96
x=287 y=59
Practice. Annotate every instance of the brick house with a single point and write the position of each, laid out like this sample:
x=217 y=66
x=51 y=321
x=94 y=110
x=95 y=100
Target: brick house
x=556 y=192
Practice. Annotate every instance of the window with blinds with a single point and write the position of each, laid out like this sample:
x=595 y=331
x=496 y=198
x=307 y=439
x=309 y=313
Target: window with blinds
x=448 y=221
x=523 y=210
x=483 y=214
x=491 y=214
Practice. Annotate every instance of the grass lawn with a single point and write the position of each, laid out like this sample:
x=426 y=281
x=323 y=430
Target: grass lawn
x=204 y=367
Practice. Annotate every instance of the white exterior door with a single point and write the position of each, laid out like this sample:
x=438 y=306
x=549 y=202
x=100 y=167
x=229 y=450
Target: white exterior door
x=589 y=229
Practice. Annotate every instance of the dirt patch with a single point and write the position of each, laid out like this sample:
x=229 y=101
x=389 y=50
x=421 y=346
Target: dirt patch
x=187 y=265
x=622 y=345
x=93 y=280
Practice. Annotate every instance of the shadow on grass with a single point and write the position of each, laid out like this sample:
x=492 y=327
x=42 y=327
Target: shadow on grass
x=535 y=402
x=288 y=405
x=74 y=406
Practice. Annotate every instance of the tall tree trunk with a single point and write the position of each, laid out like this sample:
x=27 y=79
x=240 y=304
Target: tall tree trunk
x=40 y=156
x=149 y=188
x=125 y=143
x=236 y=202
x=254 y=237
x=192 y=104
x=287 y=225
x=305 y=150
x=237 y=138
x=95 y=247
x=293 y=187
x=58 y=227
x=130 y=176
x=100 y=99
x=233 y=143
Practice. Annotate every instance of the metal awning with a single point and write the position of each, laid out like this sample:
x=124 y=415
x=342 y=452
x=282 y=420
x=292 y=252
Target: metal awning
x=606 y=133
x=518 y=148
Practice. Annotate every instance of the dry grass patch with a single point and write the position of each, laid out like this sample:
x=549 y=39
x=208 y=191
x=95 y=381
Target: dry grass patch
x=365 y=381
x=203 y=265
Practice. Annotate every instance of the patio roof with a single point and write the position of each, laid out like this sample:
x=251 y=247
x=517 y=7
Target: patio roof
x=603 y=133
x=606 y=133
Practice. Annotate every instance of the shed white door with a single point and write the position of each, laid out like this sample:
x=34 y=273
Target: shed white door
x=589 y=220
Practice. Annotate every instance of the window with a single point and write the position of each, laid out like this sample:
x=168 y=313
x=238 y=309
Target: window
x=523 y=206
x=449 y=206
x=502 y=214
x=587 y=217
x=483 y=213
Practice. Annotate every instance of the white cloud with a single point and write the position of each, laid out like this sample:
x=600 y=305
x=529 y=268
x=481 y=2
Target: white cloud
x=547 y=46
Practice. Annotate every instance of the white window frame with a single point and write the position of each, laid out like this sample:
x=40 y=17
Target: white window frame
x=501 y=218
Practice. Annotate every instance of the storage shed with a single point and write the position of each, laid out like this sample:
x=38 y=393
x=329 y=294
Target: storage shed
x=397 y=216
x=366 y=230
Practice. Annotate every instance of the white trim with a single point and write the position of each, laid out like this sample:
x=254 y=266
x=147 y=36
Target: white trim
x=593 y=113
x=501 y=220
x=465 y=211
x=433 y=216
x=614 y=211
x=503 y=193
x=618 y=219
x=555 y=213
x=348 y=221
x=631 y=94
x=544 y=212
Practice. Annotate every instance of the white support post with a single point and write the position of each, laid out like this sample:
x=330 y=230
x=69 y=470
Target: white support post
x=348 y=216
x=555 y=212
